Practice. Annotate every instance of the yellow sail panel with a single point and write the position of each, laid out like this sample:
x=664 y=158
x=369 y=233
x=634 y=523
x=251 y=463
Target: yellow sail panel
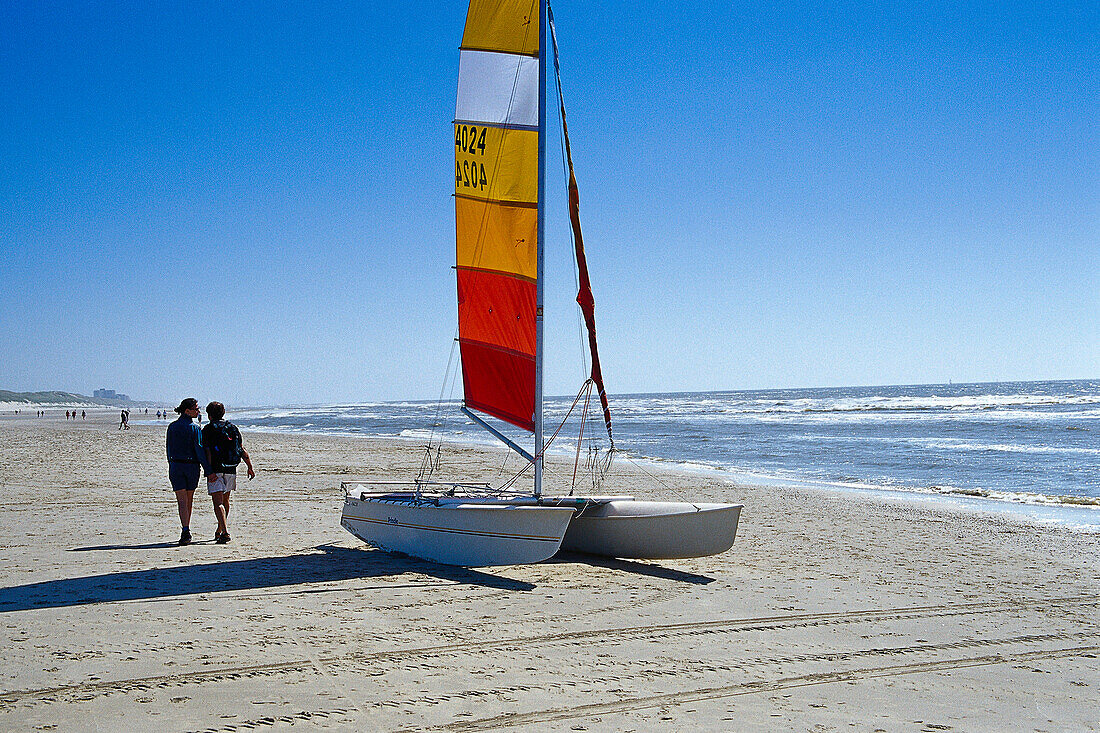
x=503 y=25
x=498 y=237
x=496 y=164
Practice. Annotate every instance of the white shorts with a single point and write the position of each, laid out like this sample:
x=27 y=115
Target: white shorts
x=224 y=482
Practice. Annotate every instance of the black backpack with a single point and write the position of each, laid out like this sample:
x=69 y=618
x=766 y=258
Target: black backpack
x=227 y=449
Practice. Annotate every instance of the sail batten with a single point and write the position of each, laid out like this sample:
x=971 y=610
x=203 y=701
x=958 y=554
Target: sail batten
x=497 y=131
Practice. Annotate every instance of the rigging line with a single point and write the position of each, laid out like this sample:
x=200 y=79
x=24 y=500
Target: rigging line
x=448 y=374
x=642 y=468
x=566 y=418
x=584 y=294
x=572 y=238
x=585 y=369
x=546 y=445
x=526 y=467
x=550 y=470
x=580 y=435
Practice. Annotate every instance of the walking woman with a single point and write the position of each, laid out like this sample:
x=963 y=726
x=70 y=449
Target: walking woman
x=185 y=456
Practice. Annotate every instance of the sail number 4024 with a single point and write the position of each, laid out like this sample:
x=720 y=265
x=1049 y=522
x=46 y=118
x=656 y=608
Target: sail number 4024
x=470 y=139
x=470 y=174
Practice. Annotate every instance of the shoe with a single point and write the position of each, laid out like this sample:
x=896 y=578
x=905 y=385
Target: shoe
x=185 y=538
x=221 y=539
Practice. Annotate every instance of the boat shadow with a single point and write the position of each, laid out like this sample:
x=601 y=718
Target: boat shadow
x=330 y=564
x=630 y=566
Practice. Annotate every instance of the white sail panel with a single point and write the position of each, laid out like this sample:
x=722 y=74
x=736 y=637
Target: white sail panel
x=498 y=88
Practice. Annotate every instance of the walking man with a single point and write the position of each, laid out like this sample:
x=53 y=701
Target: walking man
x=224 y=452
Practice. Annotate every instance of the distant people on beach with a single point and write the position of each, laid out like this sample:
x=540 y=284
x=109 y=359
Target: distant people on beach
x=224 y=451
x=183 y=444
x=124 y=420
x=83 y=415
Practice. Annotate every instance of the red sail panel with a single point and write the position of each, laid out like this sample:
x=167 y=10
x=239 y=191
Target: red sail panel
x=496 y=326
x=497 y=309
x=499 y=383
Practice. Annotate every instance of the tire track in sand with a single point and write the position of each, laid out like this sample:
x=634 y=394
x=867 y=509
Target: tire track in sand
x=549 y=715
x=90 y=690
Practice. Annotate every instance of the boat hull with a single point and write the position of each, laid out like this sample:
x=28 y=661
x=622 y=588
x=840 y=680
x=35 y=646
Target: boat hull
x=461 y=532
x=653 y=530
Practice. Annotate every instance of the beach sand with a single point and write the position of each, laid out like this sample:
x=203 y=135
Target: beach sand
x=833 y=611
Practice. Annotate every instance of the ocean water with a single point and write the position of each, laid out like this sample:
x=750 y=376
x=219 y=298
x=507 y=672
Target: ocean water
x=1028 y=443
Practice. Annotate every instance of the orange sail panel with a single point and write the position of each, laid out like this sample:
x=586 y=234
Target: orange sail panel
x=496 y=199
x=498 y=237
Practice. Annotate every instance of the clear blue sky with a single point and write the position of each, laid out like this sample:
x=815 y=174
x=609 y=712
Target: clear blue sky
x=251 y=202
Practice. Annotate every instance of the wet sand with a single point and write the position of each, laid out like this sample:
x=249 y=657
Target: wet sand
x=833 y=611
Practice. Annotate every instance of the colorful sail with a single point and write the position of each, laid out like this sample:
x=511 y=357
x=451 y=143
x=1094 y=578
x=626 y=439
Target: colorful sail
x=496 y=207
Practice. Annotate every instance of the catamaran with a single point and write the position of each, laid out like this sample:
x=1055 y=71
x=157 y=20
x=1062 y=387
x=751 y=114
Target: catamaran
x=500 y=180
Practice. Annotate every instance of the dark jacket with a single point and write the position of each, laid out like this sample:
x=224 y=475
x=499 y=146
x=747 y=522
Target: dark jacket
x=184 y=444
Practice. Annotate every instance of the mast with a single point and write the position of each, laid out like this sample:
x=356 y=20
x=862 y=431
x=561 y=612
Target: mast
x=541 y=245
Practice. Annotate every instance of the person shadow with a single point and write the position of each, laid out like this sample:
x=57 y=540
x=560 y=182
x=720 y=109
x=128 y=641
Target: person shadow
x=326 y=564
x=149 y=546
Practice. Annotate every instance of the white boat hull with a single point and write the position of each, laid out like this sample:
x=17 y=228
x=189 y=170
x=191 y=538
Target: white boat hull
x=457 y=531
x=653 y=530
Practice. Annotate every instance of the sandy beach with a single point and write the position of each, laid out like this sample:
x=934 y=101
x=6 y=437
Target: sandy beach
x=833 y=611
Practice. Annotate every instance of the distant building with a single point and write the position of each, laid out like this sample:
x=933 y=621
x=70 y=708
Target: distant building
x=110 y=394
